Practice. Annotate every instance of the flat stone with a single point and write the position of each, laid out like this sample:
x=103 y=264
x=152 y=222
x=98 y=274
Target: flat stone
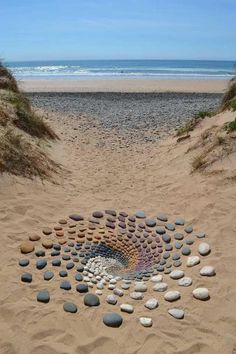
x=40 y=264
x=34 y=237
x=204 y=249
x=63 y=273
x=127 y=308
x=168 y=247
x=175 y=257
x=112 y=319
x=178 y=236
x=24 y=262
x=188 y=229
x=140 y=214
x=56 y=262
x=40 y=253
x=200 y=234
x=56 y=247
x=145 y=321
x=65 y=285
x=160 y=287
x=26 y=277
x=111 y=299
x=82 y=288
x=70 y=307
x=151 y=304
x=43 y=296
x=76 y=217
x=166 y=238
x=111 y=212
x=162 y=217
x=27 y=247
x=48 y=275
x=97 y=214
x=66 y=257
x=118 y=292
x=160 y=230
x=156 y=278
x=192 y=261
x=140 y=288
x=208 y=271
x=186 y=251
x=98 y=292
x=47 y=243
x=179 y=221
x=176 y=313
x=201 y=293
x=176 y=274
x=150 y=222
x=136 y=295
x=78 y=277
x=70 y=265
x=189 y=242
x=185 y=281
x=47 y=231
x=91 y=300
x=172 y=295
x=177 y=263
x=55 y=253
x=170 y=227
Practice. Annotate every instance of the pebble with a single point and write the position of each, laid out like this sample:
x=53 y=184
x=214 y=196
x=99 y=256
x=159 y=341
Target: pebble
x=172 y=295
x=43 y=296
x=151 y=304
x=27 y=247
x=40 y=264
x=98 y=292
x=176 y=274
x=186 y=251
x=34 y=237
x=160 y=287
x=140 y=214
x=192 y=261
x=150 y=222
x=188 y=229
x=185 y=281
x=91 y=300
x=26 y=277
x=70 y=307
x=48 y=275
x=178 y=236
x=176 y=313
x=97 y=214
x=162 y=217
x=47 y=243
x=204 y=249
x=170 y=227
x=160 y=230
x=24 y=262
x=127 y=308
x=118 y=292
x=178 y=245
x=112 y=319
x=63 y=273
x=70 y=265
x=200 y=234
x=136 y=295
x=140 y=288
x=145 y=321
x=47 y=231
x=208 y=271
x=82 y=288
x=166 y=238
x=111 y=299
x=76 y=217
x=179 y=221
x=156 y=278
x=65 y=285
x=56 y=262
x=40 y=253
x=177 y=263
x=78 y=277
x=201 y=293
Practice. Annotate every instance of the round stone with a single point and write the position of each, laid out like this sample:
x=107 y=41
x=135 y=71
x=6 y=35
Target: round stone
x=156 y=278
x=47 y=231
x=185 y=281
x=150 y=222
x=176 y=313
x=98 y=292
x=170 y=227
x=26 y=277
x=140 y=214
x=97 y=214
x=76 y=217
x=176 y=257
x=65 y=285
x=66 y=257
x=204 y=249
x=151 y=304
x=40 y=264
x=127 y=308
x=111 y=212
x=24 y=262
x=91 y=300
x=48 y=275
x=176 y=274
x=208 y=271
x=188 y=229
x=82 y=288
x=63 y=273
x=177 y=263
x=78 y=277
x=166 y=238
x=168 y=247
x=192 y=261
x=178 y=245
x=172 y=295
x=34 y=237
x=145 y=321
x=136 y=295
x=57 y=247
x=112 y=319
x=189 y=242
x=200 y=234
x=178 y=236
x=43 y=296
x=27 y=247
x=70 y=307
x=179 y=221
x=160 y=230
x=201 y=293
x=111 y=299
x=47 y=243
x=56 y=262
x=160 y=287
x=185 y=251
x=40 y=253
x=140 y=288
x=70 y=265
x=55 y=253
x=162 y=217
x=118 y=292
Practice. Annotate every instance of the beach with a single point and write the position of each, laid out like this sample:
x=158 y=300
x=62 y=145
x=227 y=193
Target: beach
x=128 y=164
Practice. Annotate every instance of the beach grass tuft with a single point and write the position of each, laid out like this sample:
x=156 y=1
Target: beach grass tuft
x=229 y=98
x=193 y=122
x=230 y=126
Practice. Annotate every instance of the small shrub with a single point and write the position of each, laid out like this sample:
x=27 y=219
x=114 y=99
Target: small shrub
x=229 y=96
x=7 y=80
x=230 y=126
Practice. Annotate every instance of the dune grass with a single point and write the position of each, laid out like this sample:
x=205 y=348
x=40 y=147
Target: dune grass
x=7 y=80
x=193 y=122
x=230 y=126
x=229 y=98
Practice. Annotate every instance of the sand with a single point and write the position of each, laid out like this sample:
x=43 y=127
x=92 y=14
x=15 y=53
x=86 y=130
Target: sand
x=124 y=85
x=149 y=176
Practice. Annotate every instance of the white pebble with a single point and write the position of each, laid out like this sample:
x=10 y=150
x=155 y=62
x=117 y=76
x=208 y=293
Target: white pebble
x=204 y=248
x=127 y=308
x=118 y=292
x=176 y=313
x=192 y=261
x=201 y=293
x=160 y=287
x=172 y=295
x=156 y=278
x=145 y=321
x=185 y=281
x=176 y=274
x=208 y=271
x=111 y=299
x=136 y=295
x=151 y=304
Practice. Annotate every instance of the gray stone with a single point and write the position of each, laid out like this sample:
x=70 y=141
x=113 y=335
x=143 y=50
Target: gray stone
x=127 y=308
x=70 y=265
x=176 y=257
x=178 y=245
x=112 y=319
x=26 y=277
x=150 y=222
x=111 y=299
x=178 y=236
x=179 y=221
x=166 y=238
x=43 y=296
x=65 y=285
x=140 y=288
x=200 y=234
x=160 y=230
x=91 y=300
x=162 y=217
x=24 y=262
x=170 y=227
x=136 y=295
x=140 y=214
x=40 y=264
x=172 y=295
x=118 y=292
x=189 y=242
x=177 y=263
x=78 y=277
x=70 y=307
x=82 y=288
x=160 y=287
x=186 y=251
x=56 y=262
x=188 y=229
x=176 y=313
x=151 y=304
x=185 y=281
x=40 y=253
x=48 y=275
x=63 y=273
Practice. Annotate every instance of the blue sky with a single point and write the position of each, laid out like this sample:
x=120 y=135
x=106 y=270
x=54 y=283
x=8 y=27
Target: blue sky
x=117 y=29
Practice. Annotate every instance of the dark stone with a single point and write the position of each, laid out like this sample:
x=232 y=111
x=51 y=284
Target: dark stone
x=166 y=238
x=110 y=212
x=140 y=214
x=162 y=217
x=65 y=285
x=189 y=242
x=188 y=229
x=57 y=247
x=124 y=214
x=80 y=269
x=43 y=296
x=170 y=227
x=166 y=255
x=70 y=244
x=24 y=262
x=48 y=275
x=78 y=277
x=91 y=300
x=110 y=225
x=26 y=278
x=40 y=253
x=179 y=221
x=168 y=247
x=112 y=319
x=76 y=217
x=63 y=273
x=70 y=265
x=177 y=263
x=178 y=236
x=70 y=307
x=41 y=264
x=150 y=222
x=66 y=257
x=82 y=288
x=175 y=257
x=178 y=245
x=160 y=230
x=55 y=253
x=97 y=214
x=186 y=251
x=56 y=262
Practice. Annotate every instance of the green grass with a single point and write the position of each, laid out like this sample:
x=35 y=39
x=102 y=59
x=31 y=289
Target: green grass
x=7 y=80
x=193 y=122
x=230 y=126
x=229 y=98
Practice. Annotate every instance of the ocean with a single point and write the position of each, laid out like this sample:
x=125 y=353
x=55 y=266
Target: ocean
x=120 y=69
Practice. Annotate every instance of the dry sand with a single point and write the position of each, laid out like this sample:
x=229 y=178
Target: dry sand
x=151 y=177
x=122 y=85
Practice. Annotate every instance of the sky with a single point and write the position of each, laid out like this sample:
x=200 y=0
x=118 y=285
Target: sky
x=117 y=29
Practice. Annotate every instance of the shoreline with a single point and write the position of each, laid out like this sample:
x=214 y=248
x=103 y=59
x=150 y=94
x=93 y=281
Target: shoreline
x=125 y=85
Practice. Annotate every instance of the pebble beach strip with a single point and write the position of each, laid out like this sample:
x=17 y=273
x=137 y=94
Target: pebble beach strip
x=125 y=254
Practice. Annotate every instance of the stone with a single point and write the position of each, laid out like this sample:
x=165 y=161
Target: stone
x=63 y=273
x=176 y=274
x=40 y=264
x=56 y=247
x=140 y=288
x=47 y=231
x=98 y=292
x=97 y=214
x=168 y=247
x=55 y=253
x=47 y=243
x=156 y=278
x=172 y=295
x=76 y=217
x=208 y=271
x=70 y=307
x=82 y=288
x=185 y=281
x=40 y=253
x=66 y=257
x=118 y=292
x=78 y=277
x=186 y=251
x=200 y=234
x=178 y=245
x=175 y=257
x=151 y=304
x=170 y=227
x=112 y=319
x=150 y=222
x=24 y=262
x=192 y=261
x=111 y=299
x=162 y=217
x=201 y=293
x=56 y=262
x=160 y=230
x=27 y=247
x=140 y=214
x=204 y=249
x=70 y=265
x=26 y=277
x=43 y=296
x=188 y=229
x=145 y=321
x=176 y=313
x=48 y=275
x=34 y=237
x=178 y=236
x=189 y=242
x=65 y=285
x=136 y=295
x=111 y=212
x=160 y=287
x=179 y=221
x=127 y=308
x=91 y=300
x=177 y=263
